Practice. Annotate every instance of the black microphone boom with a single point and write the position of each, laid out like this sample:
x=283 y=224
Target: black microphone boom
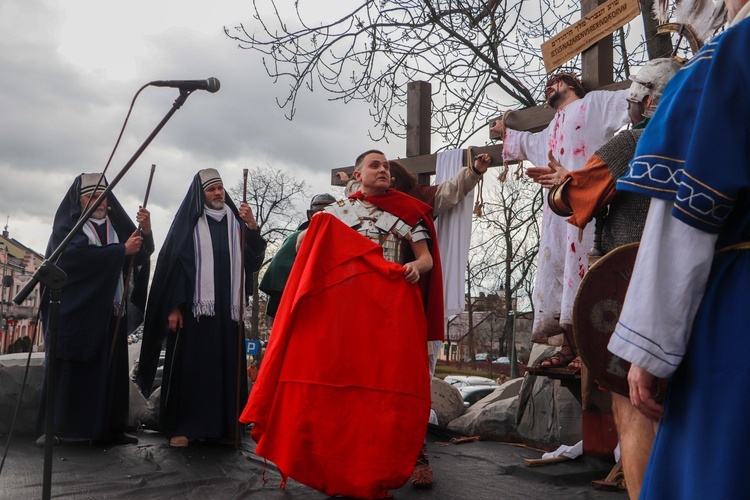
x=212 y=84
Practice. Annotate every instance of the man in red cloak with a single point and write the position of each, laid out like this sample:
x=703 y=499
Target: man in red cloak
x=343 y=396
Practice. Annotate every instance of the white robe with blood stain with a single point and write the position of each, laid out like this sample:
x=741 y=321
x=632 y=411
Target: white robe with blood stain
x=573 y=135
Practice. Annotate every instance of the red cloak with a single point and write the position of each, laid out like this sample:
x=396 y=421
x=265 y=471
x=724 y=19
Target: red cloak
x=411 y=211
x=343 y=396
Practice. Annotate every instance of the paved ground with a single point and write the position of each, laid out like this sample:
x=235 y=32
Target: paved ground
x=153 y=470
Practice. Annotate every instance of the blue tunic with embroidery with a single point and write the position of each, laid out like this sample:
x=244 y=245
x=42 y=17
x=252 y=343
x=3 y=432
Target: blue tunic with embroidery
x=695 y=152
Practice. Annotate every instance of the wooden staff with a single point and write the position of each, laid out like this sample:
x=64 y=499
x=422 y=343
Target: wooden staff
x=241 y=322
x=124 y=299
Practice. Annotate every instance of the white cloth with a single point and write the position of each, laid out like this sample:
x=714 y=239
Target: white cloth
x=655 y=323
x=571 y=452
x=454 y=234
x=743 y=13
x=204 y=296
x=433 y=417
x=433 y=352
x=573 y=135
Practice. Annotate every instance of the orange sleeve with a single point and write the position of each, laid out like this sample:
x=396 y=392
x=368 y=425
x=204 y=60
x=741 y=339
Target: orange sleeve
x=589 y=191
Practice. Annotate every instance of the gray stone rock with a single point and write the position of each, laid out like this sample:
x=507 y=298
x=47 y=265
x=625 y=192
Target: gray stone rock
x=142 y=411
x=12 y=369
x=446 y=401
x=552 y=415
x=497 y=422
x=493 y=417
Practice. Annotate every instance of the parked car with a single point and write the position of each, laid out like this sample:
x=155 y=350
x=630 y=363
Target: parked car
x=483 y=357
x=502 y=360
x=473 y=393
x=468 y=380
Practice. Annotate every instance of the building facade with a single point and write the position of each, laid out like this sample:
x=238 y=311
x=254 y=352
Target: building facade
x=19 y=324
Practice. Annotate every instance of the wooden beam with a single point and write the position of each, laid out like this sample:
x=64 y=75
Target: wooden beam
x=425 y=164
x=596 y=62
x=418 y=118
x=419 y=122
x=537 y=118
x=532 y=119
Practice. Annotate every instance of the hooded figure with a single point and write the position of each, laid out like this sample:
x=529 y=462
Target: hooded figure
x=91 y=384
x=195 y=304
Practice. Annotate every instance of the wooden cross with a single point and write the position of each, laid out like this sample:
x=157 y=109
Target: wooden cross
x=596 y=69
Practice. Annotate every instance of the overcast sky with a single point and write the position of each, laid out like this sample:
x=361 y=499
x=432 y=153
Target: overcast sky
x=70 y=69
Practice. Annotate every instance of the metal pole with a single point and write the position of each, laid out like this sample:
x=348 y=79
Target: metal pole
x=513 y=360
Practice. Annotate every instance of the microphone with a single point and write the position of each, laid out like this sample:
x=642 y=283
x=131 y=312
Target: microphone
x=212 y=84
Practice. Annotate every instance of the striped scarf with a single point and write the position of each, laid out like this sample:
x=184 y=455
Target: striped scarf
x=204 y=296
x=90 y=231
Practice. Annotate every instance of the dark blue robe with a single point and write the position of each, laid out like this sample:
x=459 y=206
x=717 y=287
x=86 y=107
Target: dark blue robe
x=199 y=383
x=92 y=394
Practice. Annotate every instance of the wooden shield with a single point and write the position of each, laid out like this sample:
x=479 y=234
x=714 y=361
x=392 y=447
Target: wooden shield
x=596 y=311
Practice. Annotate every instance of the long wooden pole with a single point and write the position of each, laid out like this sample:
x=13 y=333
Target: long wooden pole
x=124 y=299
x=241 y=322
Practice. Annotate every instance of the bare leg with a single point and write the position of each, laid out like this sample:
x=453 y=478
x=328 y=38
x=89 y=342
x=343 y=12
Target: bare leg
x=636 y=433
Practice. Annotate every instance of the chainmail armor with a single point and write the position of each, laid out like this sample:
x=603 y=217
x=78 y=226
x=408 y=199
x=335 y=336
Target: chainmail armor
x=626 y=216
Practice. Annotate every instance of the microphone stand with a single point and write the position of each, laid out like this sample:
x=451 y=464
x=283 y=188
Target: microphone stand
x=54 y=278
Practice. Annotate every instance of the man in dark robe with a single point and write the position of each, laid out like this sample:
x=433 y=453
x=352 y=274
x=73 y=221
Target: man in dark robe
x=195 y=302
x=91 y=384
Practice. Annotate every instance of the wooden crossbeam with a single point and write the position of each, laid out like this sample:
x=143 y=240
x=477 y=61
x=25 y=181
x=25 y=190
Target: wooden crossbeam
x=425 y=164
x=538 y=117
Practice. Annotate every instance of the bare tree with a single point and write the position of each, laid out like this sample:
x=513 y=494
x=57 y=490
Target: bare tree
x=480 y=56
x=505 y=244
x=271 y=195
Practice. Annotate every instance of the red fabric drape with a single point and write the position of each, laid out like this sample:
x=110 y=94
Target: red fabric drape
x=411 y=210
x=343 y=396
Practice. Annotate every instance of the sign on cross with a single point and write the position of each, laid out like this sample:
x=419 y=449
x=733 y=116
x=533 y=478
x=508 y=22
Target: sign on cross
x=594 y=26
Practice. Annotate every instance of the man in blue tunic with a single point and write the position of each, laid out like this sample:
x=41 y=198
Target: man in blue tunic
x=195 y=302
x=91 y=385
x=688 y=294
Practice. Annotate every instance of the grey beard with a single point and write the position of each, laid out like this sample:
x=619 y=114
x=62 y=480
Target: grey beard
x=216 y=205
x=97 y=216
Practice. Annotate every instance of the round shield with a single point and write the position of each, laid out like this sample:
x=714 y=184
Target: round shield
x=596 y=311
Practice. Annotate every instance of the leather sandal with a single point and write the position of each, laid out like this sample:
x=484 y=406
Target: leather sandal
x=559 y=359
